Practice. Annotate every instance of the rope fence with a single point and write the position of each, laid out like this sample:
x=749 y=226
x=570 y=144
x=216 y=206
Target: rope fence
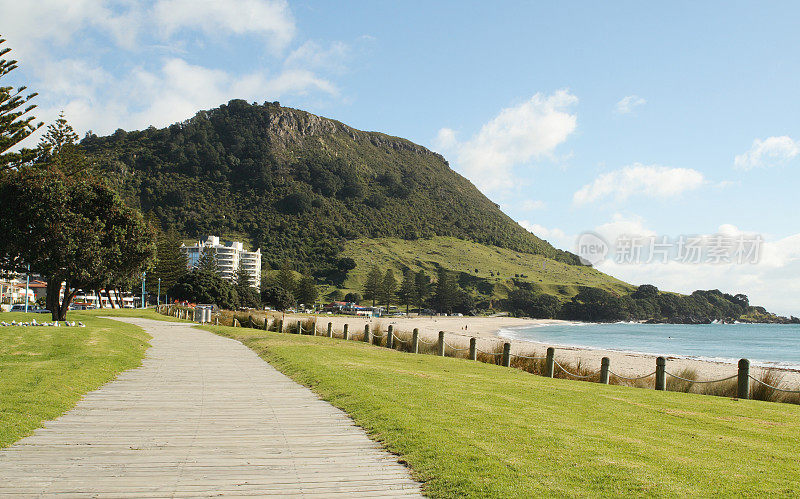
x=743 y=377
x=703 y=381
x=773 y=387
x=578 y=376
x=637 y=378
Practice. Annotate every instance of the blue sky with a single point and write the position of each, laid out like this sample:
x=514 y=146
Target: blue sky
x=672 y=118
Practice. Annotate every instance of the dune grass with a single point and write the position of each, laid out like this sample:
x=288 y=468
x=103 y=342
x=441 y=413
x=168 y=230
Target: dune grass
x=44 y=371
x=474 y=429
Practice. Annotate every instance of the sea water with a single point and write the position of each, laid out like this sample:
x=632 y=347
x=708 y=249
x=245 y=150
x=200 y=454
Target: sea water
x=764 y=344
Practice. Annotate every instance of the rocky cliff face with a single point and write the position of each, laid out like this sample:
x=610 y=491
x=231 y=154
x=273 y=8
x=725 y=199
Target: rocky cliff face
x=290 y=126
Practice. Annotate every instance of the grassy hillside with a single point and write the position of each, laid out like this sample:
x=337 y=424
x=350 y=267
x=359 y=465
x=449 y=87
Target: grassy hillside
x=497 y=265
x=46 y=370
x=469 y=429
x=299 y=186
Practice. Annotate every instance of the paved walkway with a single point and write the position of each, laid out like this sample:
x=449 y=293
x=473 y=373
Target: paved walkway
x=203 y=416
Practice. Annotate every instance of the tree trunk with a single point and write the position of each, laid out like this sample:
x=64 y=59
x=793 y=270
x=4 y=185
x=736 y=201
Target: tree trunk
x=111 y=301
x=99 y=298
x=51 y=295
x=118 y=294
x=69 y=294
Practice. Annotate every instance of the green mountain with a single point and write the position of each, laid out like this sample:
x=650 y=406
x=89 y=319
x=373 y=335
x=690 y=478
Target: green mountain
x=300 y=186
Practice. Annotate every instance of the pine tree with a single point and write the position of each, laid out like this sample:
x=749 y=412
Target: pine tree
x=14 y=125
x=243 y=284
x=169 y=266
x=407 y=290
x=286 y=279
x=241 y=277
x=388 y=287
x=422 y=286
x=307 y=292
x=372 y=287
x=208 y=260
x=446 y=291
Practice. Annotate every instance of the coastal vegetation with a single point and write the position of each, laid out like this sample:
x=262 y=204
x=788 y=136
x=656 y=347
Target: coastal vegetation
x=46 y=370
x=523 y=435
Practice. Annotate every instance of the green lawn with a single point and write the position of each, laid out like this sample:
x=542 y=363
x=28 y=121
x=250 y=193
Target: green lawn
x=44 y=371
x=473 y=429
x=475 y=259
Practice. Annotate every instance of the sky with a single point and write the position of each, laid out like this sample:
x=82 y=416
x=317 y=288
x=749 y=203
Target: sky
x=634 y=121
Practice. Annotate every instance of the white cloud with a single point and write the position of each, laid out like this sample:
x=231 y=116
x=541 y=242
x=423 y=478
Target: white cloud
x=445 y=140
x=533 y=204
x=638 y=179
x=133 y=90
x=622 y=225
x=627 y=104
x=270 y=18
x=93 y=99
x=771 y=282
x=515 y=136
x=771 y=151
x=58 y=21
x=554 y=236
x=312 y=55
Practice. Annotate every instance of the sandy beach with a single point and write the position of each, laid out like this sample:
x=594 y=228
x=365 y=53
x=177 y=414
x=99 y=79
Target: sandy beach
x=487 y=329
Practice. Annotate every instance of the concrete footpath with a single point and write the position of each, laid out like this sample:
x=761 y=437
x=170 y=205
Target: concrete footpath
x=202 y=416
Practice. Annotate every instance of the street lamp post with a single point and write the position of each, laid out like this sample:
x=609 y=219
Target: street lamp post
x=158 y=298
x=144 y=276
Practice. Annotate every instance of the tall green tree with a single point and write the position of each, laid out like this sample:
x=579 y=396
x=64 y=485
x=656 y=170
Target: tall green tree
x=15 y=126
x=71 y=230
x=208 y=260
x=407 y=290
x=446 y=292
x=307 y=292
x=241 y=277
x=372 y=286
x=422 y=287
x=286 y=279
x=201 y=286
x=388 y=288
x=169 y=265
x=243 y=284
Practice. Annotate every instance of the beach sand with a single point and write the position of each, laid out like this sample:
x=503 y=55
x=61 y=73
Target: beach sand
x=487 y=329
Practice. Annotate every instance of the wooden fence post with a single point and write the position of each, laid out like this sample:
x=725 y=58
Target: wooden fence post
x=604 y=368
x=506 y=354
x=299 y=327
x=216 y=321
x=440 y=345
x=390 y=337
x=330 y=330
x=743 y=391
x=550 y=362
x=661 y=373
x=415 y=341
x=266 y=322
x=473 y=349
x=366 y=333
x=345 y=334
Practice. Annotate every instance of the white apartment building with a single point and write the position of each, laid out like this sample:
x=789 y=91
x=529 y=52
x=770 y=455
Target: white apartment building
x=228 y=255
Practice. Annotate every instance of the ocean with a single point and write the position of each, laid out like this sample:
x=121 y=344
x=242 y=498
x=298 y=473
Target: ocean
x=763 y=344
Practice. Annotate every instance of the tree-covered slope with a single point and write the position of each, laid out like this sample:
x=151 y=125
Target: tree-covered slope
x=299 y=185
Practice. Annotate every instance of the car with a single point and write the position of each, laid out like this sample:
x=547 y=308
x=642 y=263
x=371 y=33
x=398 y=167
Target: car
x=41 y=311
x=18 y=308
